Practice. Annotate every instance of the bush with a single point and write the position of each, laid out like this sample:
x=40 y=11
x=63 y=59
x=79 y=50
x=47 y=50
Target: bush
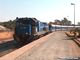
x=9 y=24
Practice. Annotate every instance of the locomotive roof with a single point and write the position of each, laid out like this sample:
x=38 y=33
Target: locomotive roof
x=32 y=21
x=24 y=19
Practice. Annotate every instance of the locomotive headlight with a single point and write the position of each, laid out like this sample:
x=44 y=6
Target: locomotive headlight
x=26 y=33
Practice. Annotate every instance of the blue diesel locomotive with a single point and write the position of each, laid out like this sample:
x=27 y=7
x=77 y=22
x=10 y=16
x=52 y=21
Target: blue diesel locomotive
x=29 y=29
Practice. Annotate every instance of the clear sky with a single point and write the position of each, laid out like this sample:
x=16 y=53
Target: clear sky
x=43 y=10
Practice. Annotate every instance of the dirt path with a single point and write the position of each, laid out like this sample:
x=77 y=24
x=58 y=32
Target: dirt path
x=57 y=47
x=5 y=36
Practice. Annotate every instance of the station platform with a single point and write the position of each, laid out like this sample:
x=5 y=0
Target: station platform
x=54 y=46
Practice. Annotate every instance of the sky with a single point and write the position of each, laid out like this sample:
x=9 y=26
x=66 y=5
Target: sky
x=43 y=10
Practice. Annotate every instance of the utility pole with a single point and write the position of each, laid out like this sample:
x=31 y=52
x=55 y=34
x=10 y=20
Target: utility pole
x=74 y=13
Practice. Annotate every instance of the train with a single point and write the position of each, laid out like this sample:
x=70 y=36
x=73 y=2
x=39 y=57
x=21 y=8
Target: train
x=30 y=29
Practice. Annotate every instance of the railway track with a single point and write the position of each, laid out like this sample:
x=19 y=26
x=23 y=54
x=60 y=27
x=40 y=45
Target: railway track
x=7 y=47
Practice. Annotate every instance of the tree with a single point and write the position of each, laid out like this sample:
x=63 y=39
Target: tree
x=57 y=22
x=65 y=21
x=78 y=23
x=9 y=24
x=69 y=22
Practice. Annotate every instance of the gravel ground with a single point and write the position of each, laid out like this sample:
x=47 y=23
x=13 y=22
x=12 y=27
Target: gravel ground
x=57 y=47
